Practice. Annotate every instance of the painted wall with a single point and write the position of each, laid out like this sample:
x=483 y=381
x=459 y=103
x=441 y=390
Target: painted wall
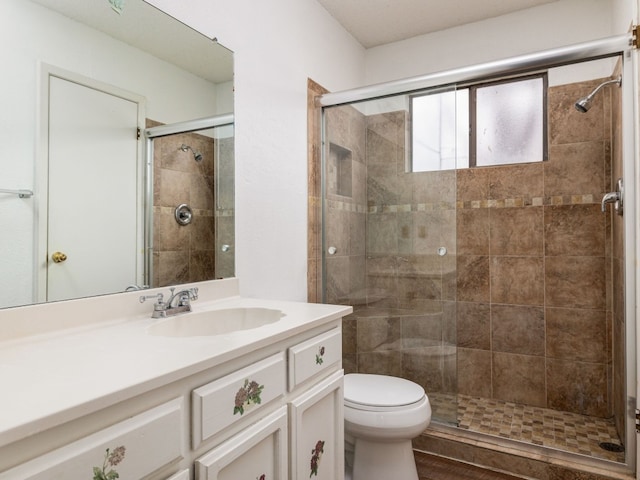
x=551 y=25
x=35 y=34
x=277 y=45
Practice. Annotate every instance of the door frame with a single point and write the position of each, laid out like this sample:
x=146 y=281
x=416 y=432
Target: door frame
x=46 y=71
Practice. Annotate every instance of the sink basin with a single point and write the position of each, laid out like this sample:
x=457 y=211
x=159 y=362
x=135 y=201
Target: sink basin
x=215 y=322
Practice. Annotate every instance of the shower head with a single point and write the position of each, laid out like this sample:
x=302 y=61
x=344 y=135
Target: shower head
x=584 y=104
x=197 y=156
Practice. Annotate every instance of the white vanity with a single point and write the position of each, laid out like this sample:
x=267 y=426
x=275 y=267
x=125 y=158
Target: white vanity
x=155 y=399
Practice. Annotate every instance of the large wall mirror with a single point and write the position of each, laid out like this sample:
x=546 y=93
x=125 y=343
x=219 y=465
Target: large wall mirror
x=83 y=84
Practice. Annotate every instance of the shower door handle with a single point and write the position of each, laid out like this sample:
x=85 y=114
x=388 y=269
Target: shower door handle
x=614 y=197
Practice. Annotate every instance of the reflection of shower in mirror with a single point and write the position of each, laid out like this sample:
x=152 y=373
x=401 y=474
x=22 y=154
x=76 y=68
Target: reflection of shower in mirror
x=197 y=156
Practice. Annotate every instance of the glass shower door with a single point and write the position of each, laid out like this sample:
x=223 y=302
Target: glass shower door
x=389 y=240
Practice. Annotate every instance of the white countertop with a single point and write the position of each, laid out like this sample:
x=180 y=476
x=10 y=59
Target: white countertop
x=49 y=379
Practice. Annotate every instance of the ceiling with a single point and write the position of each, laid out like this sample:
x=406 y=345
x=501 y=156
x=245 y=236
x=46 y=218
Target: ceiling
x=376 y=22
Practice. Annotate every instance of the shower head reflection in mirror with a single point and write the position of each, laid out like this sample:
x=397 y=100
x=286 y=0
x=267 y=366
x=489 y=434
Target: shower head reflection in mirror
x=197 y=156
x=584 y=104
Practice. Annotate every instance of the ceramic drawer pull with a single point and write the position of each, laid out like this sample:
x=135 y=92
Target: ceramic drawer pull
x=320 y=355
x=249 y=394
x=316 y=455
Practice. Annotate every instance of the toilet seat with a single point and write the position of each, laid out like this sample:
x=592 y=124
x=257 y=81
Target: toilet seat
x=380 y=392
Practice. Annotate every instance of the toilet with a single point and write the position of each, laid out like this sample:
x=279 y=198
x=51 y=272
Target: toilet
x=382 y=414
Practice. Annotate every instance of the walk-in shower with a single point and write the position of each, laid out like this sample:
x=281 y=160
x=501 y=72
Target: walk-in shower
x=499 y=287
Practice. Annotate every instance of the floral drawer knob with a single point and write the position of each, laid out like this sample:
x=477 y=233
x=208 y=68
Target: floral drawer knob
x=319 y=355
x=249 y=394
x=111 y=459
x=316 y=454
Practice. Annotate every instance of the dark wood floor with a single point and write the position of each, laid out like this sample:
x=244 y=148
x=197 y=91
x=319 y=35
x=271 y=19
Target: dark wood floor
x=431 y=467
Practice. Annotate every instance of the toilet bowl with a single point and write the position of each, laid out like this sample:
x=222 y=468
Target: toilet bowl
x=382 y=414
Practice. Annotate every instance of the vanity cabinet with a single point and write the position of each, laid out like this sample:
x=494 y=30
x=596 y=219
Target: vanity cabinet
x=272 y=413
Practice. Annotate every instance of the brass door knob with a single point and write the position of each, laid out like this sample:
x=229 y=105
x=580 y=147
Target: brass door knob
x=58 y=257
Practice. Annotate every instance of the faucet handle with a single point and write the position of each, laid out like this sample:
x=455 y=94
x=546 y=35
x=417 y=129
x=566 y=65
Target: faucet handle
x=159 y=297
x=187 y=295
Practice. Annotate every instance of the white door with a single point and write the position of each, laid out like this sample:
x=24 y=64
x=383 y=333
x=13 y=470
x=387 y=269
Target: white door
x=92 y=191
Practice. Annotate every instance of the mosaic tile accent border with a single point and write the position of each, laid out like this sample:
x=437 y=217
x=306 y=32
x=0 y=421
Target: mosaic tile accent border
x=471 y=204
x=566 y=431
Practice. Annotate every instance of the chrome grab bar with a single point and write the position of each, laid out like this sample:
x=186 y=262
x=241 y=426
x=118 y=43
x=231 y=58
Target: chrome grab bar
x=22 y=193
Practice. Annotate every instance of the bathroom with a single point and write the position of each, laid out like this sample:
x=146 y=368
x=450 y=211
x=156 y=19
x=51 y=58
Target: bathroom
x=271 y=107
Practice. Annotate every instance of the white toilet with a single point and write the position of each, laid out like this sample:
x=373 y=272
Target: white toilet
x=382 y=414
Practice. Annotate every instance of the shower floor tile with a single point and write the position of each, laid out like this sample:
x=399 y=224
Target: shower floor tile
x=539 y=426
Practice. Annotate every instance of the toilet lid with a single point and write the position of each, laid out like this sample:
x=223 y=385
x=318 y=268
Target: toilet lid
x=380 y=390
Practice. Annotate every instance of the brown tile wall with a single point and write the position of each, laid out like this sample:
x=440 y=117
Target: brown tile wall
x=523 y=289
x=532 y=267
x=183 y=254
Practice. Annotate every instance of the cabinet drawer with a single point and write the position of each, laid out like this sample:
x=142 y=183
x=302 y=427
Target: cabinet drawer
x=150 y=440
x=183 y=475
x=259 y=452
x=235 y=396
x=313 y=356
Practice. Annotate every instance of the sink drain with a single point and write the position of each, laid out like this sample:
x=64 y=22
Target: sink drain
x=612 y=447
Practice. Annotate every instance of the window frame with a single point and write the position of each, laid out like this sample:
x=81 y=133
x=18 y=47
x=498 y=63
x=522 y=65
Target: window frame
x=472 y=107
x=473 y=144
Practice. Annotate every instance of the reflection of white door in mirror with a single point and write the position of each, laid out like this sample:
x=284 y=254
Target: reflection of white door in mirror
x=93 y=182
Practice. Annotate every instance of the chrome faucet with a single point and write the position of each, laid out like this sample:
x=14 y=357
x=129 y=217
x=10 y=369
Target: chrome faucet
x=179 y=302
x=616 y=197
x=610 y=197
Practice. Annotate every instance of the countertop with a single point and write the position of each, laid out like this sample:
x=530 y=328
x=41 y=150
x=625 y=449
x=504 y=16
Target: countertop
x=59 y=376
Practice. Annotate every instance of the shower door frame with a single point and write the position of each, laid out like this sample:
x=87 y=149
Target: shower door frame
x=621 y=45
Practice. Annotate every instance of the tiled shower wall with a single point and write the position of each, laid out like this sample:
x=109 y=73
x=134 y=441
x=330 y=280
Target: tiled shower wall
x=523 y=290
x=534 y=319
x=183 y=254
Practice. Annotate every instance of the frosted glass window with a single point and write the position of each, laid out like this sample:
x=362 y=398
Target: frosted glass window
x=440 y=131
x=509 y=122
x=480 y=125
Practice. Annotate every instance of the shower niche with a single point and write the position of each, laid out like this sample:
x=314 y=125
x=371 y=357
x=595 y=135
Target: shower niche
x=340 y=171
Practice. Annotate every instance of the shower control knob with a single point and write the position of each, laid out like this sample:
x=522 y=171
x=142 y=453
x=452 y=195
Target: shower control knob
x=58 y=257
x=183 y=214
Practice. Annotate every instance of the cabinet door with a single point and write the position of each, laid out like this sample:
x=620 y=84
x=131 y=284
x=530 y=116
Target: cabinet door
x=259 y=452
x=317 y=431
